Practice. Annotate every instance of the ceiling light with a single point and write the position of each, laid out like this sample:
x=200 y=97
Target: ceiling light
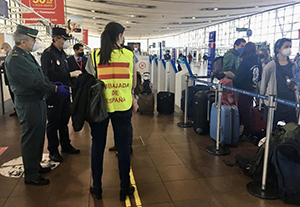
x=216 y=9
x=92 y=10
x=94 y=17
x=180 y=22
x=127 y=22
x=168 y=27
x=132 y=15
x=193 y=17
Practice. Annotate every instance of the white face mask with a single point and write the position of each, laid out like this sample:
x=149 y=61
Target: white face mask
x=3 y=51
x=35 y=47
x=286 y=52
x=135 y=48
x=66 y=44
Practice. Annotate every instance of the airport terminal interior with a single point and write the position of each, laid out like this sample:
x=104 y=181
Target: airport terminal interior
x=170 y=165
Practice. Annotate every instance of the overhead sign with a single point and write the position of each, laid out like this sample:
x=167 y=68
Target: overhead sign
x=211 y=51
x=241 y=29
x=143 y=64
x=49 y=9
x=249 y=33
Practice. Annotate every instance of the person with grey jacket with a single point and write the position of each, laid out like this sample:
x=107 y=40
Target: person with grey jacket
x=278 y=79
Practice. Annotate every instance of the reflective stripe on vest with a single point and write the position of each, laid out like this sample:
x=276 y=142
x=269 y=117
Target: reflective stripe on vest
x=117 y=76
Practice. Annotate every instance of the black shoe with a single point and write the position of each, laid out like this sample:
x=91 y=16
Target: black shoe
x=70 y=149
x=13 y=114
x=56 y=157
x=44 y=170
x=113 y=149
x=39 y=181
x=124 y=193
x=96 y=192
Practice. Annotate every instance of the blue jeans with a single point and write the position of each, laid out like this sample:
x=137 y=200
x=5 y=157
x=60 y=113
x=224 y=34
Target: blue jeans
x=121 y=123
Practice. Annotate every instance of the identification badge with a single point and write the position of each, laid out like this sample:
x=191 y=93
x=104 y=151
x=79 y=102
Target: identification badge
x=57 y=62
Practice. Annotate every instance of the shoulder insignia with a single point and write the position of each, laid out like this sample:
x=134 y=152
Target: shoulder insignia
x=14 y=54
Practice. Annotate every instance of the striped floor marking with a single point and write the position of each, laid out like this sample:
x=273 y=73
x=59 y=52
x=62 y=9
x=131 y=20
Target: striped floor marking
x=135 y=194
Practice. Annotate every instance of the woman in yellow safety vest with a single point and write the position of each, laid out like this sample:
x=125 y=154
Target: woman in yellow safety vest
x=114 y=66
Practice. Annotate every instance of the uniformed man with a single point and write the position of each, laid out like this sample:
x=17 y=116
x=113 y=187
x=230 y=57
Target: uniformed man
x=55 y=67
x=29 y=87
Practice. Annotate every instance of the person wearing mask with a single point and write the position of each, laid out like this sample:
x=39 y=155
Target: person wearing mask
x=167 y=56
x=55 y=67
x=5 y=49
x=231 y=58
x=77 y=61
x=136 y=49
x=29 y=86
x=278 y=79
x=114 y=67
x=264 y=57
x=247 y=77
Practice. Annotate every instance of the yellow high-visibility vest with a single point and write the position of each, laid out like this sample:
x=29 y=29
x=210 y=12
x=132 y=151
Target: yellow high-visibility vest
x=117 y=76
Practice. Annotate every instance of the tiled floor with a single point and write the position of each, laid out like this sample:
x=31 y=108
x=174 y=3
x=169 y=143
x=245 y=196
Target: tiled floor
x=170 y=166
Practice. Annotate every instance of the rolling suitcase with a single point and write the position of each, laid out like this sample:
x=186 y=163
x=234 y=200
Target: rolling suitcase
x=191 y=92
x=146 y=103
x=202 y=106
x=258 y=124
x=230 y=124
x=165 y=102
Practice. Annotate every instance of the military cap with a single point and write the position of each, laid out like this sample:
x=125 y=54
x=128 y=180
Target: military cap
x=27 y=31
x=61 y=32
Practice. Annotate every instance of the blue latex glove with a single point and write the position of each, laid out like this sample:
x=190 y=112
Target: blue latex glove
x=63 y=91
x=57 y=83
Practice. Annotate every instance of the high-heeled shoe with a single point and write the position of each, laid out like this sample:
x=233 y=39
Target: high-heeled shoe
x=126 y=192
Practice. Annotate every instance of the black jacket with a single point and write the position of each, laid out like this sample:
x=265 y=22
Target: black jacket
x=73 y=65
x=248 y=73
x=79 y=106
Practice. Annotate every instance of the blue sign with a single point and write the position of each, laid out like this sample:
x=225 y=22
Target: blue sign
x=211 y=51
x=160 y=50
x=249 y=33
x=173 y=54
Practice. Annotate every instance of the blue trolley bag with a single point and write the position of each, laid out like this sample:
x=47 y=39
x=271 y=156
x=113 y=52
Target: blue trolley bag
x=230 y=124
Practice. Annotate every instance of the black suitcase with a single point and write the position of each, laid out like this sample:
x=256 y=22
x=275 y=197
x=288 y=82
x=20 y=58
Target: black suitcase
x=191 y=92
x=202 y=107
x=165 y=102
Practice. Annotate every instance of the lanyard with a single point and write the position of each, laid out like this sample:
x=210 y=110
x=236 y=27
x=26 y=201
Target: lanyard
x=80 y=66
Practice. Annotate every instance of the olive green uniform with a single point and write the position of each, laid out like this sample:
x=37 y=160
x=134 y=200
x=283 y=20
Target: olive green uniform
x=29 y=87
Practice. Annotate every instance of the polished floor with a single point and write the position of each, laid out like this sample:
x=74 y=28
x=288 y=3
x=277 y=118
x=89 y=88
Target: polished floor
x=170 y=167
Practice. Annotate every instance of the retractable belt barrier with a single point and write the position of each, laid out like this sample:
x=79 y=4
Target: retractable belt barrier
x=258 y=189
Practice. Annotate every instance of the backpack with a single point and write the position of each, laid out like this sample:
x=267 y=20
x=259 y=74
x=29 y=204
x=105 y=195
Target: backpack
x=287 y=165
x=147 y=86
x=217 y=68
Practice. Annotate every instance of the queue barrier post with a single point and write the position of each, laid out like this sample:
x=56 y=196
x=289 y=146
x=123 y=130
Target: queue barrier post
x=261 y=189
x=218 y=149
x=185 y=123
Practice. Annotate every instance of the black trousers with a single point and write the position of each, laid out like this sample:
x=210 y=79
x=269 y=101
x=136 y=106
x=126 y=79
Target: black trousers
x=58 y=114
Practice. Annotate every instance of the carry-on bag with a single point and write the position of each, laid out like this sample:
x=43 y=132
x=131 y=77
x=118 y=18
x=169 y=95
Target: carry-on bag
x=202 y=106
x=230 y=124
x=146 y=103
x=165 y=102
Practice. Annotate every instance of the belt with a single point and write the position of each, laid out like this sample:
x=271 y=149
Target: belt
x=28 y=98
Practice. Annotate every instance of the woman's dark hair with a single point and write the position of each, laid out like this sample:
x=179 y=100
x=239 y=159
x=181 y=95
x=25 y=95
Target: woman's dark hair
x=279 y=44
x=249 y=50
x=108 y=41
x=266 y=53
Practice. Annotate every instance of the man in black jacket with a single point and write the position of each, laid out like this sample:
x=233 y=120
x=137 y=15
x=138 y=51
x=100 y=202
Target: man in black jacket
x=77 y=61
x=55 y=67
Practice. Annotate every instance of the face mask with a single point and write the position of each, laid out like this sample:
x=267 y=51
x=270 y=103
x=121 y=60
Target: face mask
x=286 y=52
x=81 y=54
x=35 y=47
x=135 y=48
x=240 y=50
x=3 y=51
x=261 y=56
x=66 y=45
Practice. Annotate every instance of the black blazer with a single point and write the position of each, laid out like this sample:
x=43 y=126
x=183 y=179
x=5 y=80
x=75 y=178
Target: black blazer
x=73 y=65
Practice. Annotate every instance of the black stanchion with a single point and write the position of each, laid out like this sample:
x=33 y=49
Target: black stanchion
x=260 y=189
x=218 y=149
x=185 y=123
